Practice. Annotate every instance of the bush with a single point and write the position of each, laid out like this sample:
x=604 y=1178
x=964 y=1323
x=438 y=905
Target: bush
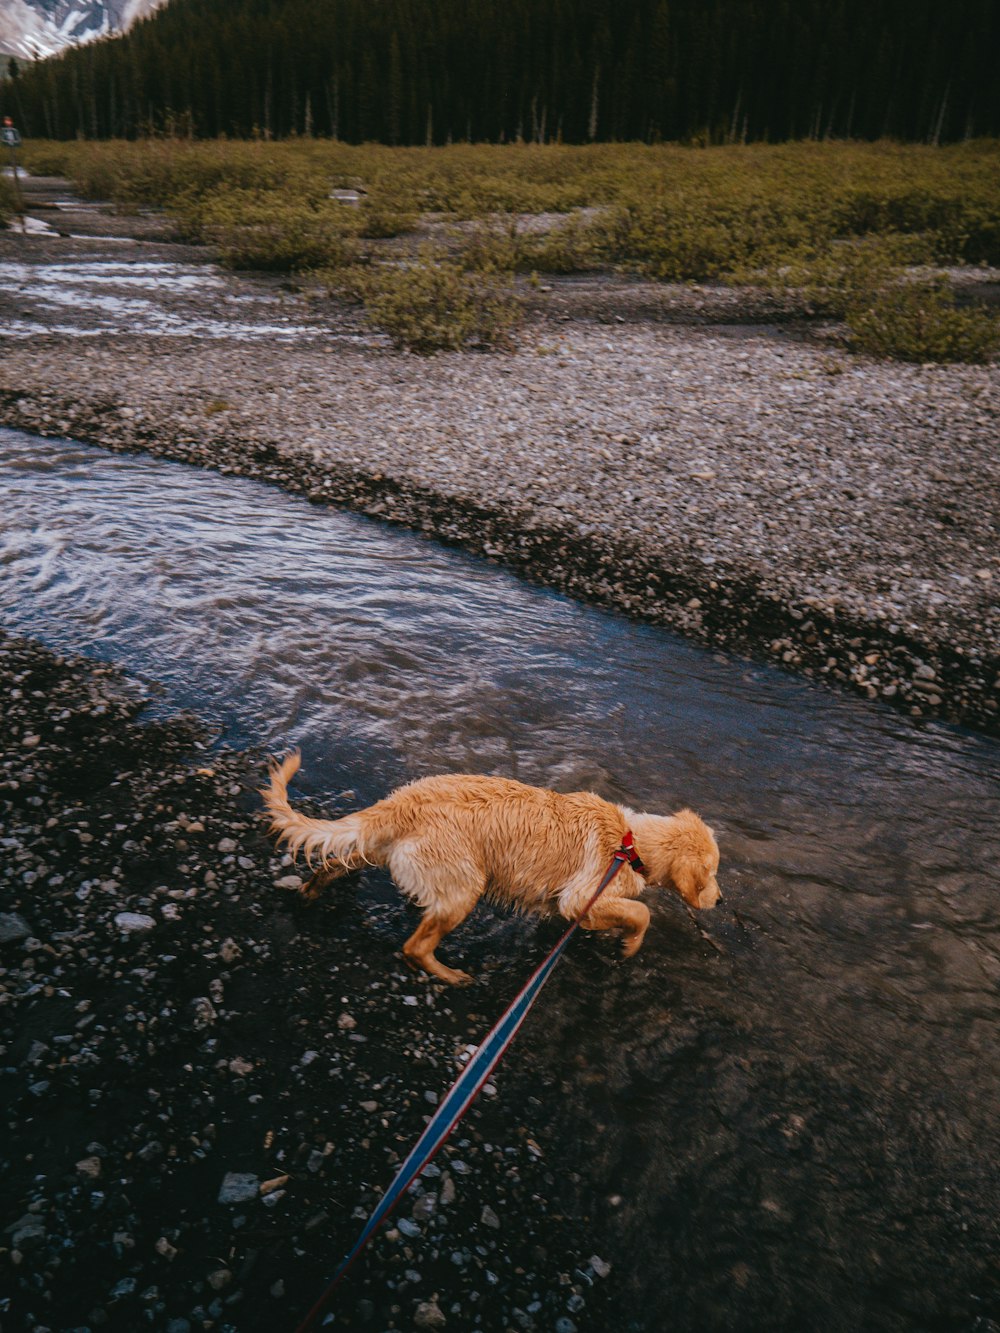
x=380 y=218
x=434 y=303
x=919 y=321
x=492 y=247
x=270 y=230
x=959 y=219
x=578 y=244
x=844 y=275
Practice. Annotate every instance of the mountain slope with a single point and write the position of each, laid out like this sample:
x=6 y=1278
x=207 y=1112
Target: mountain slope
x=35 y=28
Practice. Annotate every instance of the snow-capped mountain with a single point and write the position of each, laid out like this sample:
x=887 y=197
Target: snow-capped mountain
x=30 y=29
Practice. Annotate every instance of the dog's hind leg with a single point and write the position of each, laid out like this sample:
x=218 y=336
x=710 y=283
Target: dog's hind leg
x=623 y=914
x=419 y=948
x=323 y=877
x=447 y=892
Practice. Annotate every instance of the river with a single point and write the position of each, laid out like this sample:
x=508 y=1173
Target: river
x=792 y=1111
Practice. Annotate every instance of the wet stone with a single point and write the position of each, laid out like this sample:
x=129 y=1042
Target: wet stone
x=13 y=928
x=429 y=1314
x=238 y=1187
x=134 y=923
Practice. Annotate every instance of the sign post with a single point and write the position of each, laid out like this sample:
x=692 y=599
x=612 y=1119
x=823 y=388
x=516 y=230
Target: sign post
x=10 y=136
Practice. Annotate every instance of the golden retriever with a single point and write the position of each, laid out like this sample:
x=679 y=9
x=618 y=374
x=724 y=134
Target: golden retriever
x=449 y=841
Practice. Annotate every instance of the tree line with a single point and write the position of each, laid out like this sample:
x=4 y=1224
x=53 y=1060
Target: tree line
x=436 y=71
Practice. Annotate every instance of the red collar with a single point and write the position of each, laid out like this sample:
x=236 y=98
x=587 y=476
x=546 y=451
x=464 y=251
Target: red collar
x=628 y=853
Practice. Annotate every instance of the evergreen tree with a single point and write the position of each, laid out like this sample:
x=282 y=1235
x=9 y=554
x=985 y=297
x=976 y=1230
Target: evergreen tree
x=409 y=71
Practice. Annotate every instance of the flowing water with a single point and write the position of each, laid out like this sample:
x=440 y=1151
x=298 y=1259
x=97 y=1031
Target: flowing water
x=98 y=296
x=790 y=1116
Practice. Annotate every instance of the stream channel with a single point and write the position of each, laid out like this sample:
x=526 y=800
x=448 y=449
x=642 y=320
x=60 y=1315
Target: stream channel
x=793 y=1112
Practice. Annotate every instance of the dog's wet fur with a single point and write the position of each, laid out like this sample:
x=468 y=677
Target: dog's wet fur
x=449 y=841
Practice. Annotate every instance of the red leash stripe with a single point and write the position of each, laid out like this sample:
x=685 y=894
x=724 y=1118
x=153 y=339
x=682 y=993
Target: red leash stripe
x=464 y=1090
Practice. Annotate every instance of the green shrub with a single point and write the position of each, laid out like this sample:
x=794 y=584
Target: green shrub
x=960 y=219
x=844 y=275
x=433 y=303
x=380 y=218
x=694 y=238
x=270 y=230
x=919 y=321
x=492 y=247
x=578 y=244
x=44 y=157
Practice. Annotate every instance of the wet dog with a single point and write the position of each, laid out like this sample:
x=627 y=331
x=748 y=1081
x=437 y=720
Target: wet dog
x=449 y=841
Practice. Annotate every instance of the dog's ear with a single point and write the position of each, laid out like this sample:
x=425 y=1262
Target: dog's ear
x=687 y=880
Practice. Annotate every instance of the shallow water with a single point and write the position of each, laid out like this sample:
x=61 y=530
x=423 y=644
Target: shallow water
x=789 y=1122
x=97 y=297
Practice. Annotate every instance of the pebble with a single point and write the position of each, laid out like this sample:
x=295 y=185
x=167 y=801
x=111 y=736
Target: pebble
x=134 y=923
x=13 y=928
x=429 y=1314
x=238 y=1187
x=203 y=1012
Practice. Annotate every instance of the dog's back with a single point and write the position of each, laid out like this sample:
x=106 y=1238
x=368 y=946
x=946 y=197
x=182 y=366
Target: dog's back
x=523 y=844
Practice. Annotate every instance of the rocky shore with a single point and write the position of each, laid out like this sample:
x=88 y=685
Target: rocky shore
x=205 y=1085
x=750 y=484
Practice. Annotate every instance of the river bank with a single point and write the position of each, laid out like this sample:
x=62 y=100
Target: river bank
x=204 y=1082
x=751 y=484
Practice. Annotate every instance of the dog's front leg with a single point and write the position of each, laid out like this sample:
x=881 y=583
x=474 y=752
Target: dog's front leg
x=622 y=914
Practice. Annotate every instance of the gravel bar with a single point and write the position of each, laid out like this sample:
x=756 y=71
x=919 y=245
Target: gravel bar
x=752 y=485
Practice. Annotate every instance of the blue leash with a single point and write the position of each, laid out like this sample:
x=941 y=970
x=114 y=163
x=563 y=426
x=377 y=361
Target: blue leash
x=463 y=1091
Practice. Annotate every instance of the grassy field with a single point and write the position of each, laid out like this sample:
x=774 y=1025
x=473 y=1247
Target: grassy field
x=836 y=224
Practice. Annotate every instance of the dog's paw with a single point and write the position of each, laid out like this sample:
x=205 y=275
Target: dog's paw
x=455 y=978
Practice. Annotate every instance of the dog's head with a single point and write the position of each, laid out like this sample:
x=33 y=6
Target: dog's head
x=680 y=852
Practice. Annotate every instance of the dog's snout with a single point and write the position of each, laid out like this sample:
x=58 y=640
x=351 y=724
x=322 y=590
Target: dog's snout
x=710 y=895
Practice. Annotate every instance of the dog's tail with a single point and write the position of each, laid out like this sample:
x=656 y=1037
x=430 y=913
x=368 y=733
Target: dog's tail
x=332 y=841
